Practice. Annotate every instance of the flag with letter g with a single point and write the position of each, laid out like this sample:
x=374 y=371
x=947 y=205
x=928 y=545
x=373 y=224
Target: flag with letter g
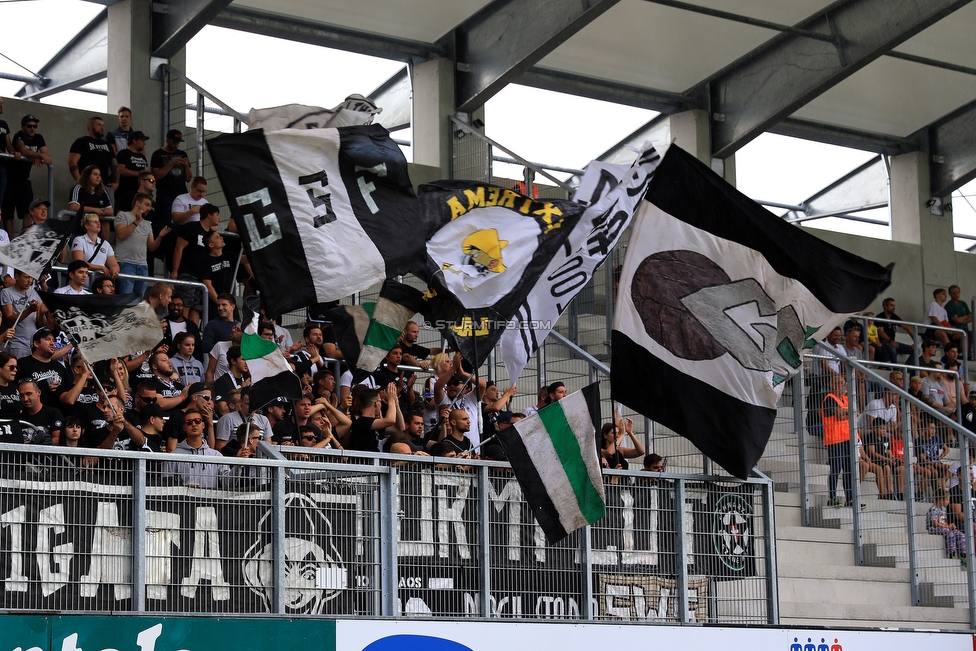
x=322 y=213
x=718 y=299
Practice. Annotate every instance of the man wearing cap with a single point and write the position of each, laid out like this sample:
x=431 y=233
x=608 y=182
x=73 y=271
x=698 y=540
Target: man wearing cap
x=30 y=147
x=36 y=214
x=93 y=149
x=51 y=376
x=131 y=160
x=120 y=137
x=171 y=167
x=151 y=422
x=285 y=432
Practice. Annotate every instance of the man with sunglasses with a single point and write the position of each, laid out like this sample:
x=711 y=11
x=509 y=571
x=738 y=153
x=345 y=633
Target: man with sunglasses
x=199 y=397
x=145 y=395
x=30 y=147
x=189 y=472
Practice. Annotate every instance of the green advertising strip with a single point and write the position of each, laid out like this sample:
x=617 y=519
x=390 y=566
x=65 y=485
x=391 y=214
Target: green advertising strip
x=81 y=633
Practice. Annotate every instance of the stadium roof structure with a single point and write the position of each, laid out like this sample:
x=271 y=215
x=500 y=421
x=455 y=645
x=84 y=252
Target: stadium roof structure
x=889 y=76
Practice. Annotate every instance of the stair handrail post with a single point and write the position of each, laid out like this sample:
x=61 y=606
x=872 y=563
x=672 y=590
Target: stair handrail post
x=913 y=574
x=854 y=468
x=799 y=391
x=772 y=568
x=967 y=509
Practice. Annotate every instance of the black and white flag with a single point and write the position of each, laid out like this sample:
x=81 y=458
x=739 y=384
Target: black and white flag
x=33 y=252
x=718 y=299
x=102 y=326
x=612 y=194
x=356 y=109
x=486 y=249
x=322 y=213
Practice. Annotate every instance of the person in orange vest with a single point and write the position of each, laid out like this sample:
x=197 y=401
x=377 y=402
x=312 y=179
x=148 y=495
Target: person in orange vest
x=522 y=187
x=837 y=440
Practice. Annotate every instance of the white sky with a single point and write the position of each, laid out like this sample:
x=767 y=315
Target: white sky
x=567 y=132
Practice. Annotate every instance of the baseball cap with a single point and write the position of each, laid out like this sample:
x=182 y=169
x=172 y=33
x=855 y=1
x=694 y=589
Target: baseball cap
x=28 y=118
x=504 y=417
x=151 y=411
x=39 y=202
x=174 y=134
x=137 y=135
x=40 y=333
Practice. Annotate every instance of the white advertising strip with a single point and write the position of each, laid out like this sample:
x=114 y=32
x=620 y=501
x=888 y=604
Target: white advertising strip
x=401 y=635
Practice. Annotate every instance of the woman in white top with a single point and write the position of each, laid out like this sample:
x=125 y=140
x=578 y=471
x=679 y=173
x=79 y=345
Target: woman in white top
x=93 y=249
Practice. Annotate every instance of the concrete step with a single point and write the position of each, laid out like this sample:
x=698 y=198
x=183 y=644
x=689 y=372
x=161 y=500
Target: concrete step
x=851 y=592
x=842 y=614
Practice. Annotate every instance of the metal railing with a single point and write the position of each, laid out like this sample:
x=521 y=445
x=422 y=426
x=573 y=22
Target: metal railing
x=906 y=447
x=350 y=534
x=7 y=159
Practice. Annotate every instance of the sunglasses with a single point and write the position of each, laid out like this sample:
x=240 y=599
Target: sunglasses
x=30 y=126
x=308 y=438
x=204 y=396
x=193 y=421
x=255 y=438
x=148 y=401
x=11 y=367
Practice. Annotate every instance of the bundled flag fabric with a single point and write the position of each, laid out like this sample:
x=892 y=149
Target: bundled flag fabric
x=718 y=299
x=554 y=457
x=271 y=376
x=397 y=305
x=350 y=323
x=612 y=193
x=486 y=249
x=355 y=110
x=321 y=212
x=34 y=251
x=103 y=326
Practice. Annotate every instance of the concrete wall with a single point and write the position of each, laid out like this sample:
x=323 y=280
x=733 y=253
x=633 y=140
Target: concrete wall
x=60 y=127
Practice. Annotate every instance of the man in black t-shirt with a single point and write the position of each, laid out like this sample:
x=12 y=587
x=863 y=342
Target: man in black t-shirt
x=51 y=376
x=131 y=161
x=886 y=334
x=93 y=149
x=171 y=166
x=190 y=256
x=46 y=421
x=217 y=271
x=413 y=353
x=33 y=153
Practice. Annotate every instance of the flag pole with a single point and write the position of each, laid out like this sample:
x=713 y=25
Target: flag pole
x=97 y=382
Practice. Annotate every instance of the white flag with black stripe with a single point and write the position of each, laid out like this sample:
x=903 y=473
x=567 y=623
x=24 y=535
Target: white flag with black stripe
x=322 y=213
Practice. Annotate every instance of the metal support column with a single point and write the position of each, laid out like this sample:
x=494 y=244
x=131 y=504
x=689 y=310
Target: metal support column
x=139 y=536
x=906 y=433
x=541 y=363
x=586 y=567
x=388 y=544
x=200 y=125
x=484 y=546
x=680 y=563
x=855 y=496
x=799 y=393
x=967 y=488
x=278 y=522
x=772 y=569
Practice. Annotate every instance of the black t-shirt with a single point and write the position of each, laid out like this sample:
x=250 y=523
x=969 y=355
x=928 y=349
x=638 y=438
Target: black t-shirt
x=285 y=430
x=42 y=426
x=88 y=200
x=460 y=446
x=86 y=406
x=9 y=402
x=4 y=132
x=94 y=151
x=21 y=169
x=195 y=254
x=874 y=437
x=219 y=270
x=416 y=351
x=174 y=183
x=166 y=389
x=44 y=373
x=362 y=436
x=130 y=160
x=889 y=328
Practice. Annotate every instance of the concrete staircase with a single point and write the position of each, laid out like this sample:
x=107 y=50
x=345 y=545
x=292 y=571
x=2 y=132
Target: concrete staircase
x=821 y=585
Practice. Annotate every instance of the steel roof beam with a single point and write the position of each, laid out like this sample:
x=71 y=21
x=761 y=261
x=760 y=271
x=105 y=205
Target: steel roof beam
x=82 y=60
x=394 y=96
x=952 y=145
x=773 y=81
x=507 y=37
x=175 y=22
x=863 y=188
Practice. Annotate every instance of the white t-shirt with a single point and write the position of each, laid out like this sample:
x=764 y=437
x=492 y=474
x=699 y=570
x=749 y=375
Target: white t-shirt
x=938 y=312
x=68 y=290
x=219 y=353
x=876 y=409
x=184 y=202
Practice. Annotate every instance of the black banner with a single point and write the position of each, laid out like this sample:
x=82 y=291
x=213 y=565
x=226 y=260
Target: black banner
x=66 y=544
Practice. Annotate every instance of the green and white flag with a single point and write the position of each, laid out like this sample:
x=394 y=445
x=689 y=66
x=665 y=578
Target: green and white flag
x=397 y=305
x=554 y=456
x=271 y=375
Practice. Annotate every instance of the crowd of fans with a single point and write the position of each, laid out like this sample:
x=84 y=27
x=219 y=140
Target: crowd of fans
x=932 y=374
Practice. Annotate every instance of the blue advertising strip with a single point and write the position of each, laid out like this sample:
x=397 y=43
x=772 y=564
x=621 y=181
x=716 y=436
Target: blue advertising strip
x=78 y=633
